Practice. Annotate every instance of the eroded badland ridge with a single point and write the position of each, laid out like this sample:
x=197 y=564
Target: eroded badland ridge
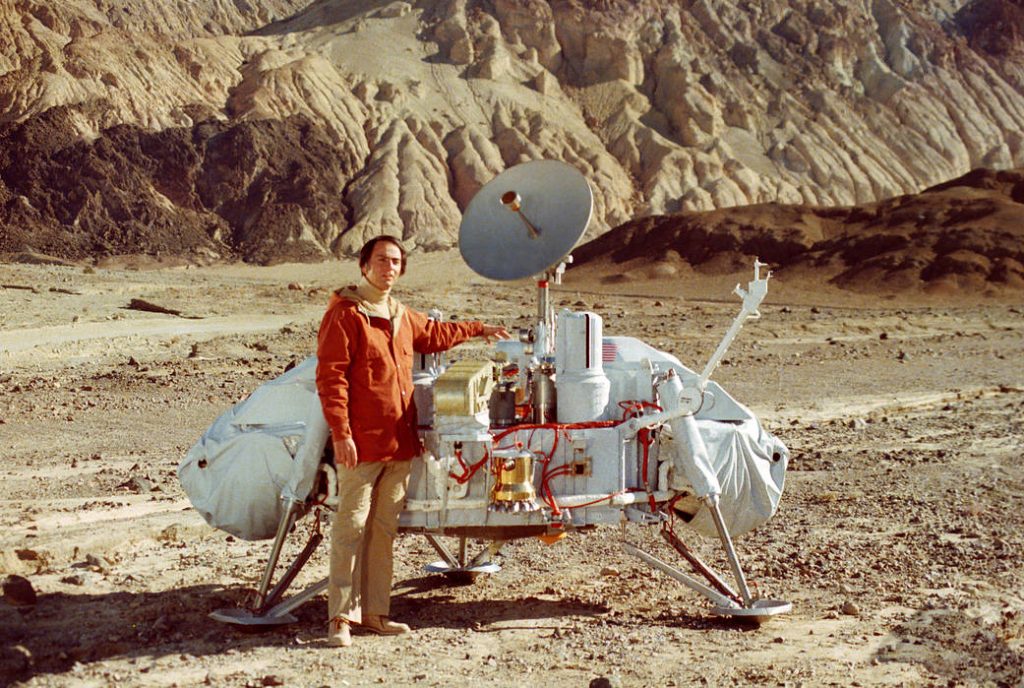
x=287 y=129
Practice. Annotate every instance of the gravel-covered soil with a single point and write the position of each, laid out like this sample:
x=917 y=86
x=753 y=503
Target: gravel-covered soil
x=899 y=540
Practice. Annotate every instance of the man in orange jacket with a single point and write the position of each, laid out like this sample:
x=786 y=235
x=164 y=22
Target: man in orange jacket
x=364 y=377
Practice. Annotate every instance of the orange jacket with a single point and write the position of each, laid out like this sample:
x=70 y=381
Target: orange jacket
x=364 y=374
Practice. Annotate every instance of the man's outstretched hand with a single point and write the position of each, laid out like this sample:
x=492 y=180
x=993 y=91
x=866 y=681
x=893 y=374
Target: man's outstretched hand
x=495 y=332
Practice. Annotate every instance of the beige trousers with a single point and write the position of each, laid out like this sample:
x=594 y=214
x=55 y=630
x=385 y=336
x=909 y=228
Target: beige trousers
x=370 y=499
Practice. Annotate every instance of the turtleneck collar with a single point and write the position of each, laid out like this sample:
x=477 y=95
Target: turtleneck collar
x=376 y=303
x=371 y=294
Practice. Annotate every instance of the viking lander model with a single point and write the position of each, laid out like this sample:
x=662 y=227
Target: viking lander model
x=561 y=429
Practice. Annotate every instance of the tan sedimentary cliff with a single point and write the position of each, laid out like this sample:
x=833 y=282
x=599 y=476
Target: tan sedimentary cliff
x=288 y=129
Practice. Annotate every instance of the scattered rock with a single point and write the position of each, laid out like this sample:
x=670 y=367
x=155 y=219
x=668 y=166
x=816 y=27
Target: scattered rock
x=169 y=534
x=139 y=484
x=22 y=658
x=149 y=307
x=850 y=608
x=97 y=562
x=18 y=592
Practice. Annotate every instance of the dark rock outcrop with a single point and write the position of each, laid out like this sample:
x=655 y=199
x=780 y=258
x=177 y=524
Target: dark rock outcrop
x=265 y=191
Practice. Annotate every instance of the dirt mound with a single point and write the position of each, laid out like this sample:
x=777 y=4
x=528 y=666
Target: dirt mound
x=266 y=191
x=966 y=234
x=994 y=27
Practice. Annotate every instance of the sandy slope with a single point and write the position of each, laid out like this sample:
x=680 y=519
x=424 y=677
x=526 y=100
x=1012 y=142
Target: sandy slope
x=899 y=539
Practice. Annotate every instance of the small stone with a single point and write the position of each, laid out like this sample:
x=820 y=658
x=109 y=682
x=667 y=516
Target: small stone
x=295 y=286
x=97 y=563
x=169 y=534
x=884 y=335
x=850 y=608
x=609 y=571
x=271 y=680
x=20 y=658
x=138 y=484
x=18 y=591
x=73 y=579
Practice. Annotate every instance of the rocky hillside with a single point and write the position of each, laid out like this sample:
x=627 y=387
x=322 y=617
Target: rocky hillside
x=287 y=129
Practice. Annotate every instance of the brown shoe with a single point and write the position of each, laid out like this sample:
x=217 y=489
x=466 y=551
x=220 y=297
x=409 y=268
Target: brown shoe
x=338 y=633
x=382 y=625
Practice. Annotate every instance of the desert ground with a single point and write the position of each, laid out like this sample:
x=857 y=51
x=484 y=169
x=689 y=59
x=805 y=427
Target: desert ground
x=899 y=540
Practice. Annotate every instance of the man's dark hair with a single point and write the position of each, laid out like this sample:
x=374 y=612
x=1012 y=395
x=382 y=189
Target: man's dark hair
x=367 y=250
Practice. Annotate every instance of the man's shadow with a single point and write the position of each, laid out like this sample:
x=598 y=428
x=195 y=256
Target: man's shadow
x=64 y=629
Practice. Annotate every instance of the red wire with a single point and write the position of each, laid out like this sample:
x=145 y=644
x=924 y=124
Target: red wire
x=630 y=409
x=645 y=440
x=468 y=471
x=597 y=501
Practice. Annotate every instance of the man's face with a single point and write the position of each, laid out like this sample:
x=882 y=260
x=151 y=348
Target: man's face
x=384 y=266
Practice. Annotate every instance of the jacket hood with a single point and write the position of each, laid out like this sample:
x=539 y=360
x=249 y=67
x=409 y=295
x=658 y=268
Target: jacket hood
x=344 y=294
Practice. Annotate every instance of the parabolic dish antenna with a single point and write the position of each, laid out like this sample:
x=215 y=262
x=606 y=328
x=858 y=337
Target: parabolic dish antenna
x=526 y=220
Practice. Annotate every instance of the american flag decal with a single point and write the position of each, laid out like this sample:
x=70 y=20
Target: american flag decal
x=608 y=352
